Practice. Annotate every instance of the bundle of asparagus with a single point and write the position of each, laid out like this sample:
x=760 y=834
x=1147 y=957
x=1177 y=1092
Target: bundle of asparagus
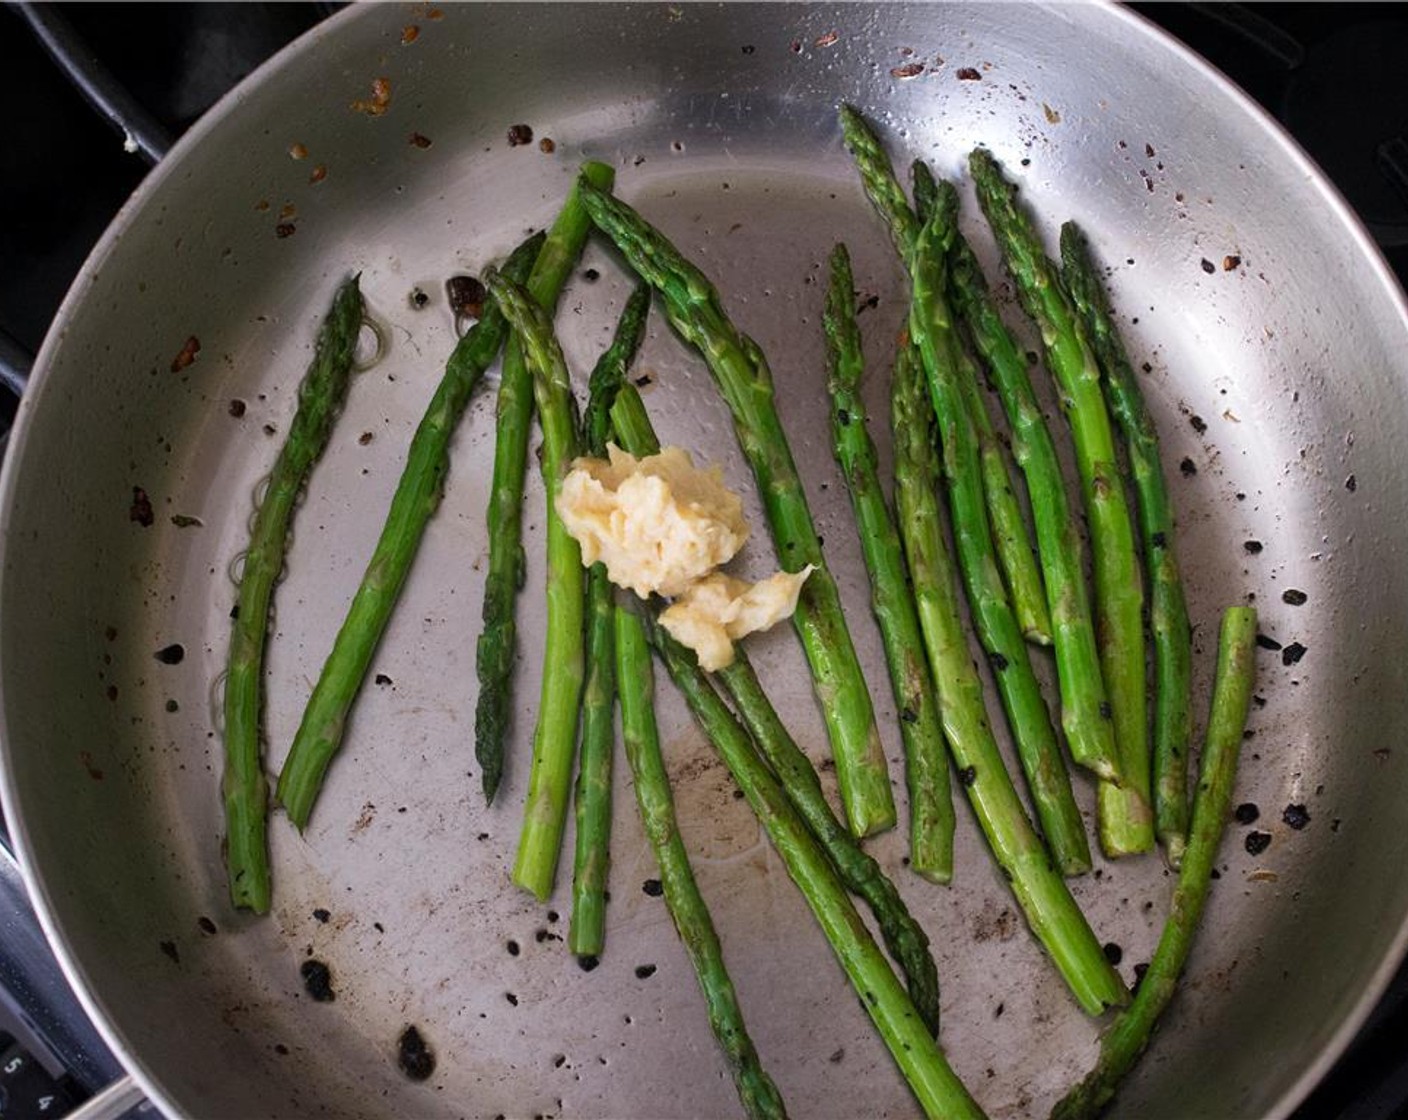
x=598 y=641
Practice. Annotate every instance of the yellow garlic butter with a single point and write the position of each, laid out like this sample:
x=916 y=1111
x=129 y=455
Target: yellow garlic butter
x=658 y=523
x=719 y=610
x=662 y=526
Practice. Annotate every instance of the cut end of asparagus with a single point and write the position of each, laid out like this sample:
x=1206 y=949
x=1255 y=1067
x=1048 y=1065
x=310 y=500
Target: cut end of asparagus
x=1174 y=847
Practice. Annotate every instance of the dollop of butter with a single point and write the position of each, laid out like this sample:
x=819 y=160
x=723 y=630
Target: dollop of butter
x=658 y=523
x=662 y=526
x=718 y=610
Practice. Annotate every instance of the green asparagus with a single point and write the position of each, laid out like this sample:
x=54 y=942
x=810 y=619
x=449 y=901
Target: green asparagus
x=933 y=1082
x=931 y=327
x=1015 y=556
x=1168 y=611
x=417 y=496
x=586 y=931
x=926 y=768
x=555 y=737
x=1042 y=895
x=1085 y=715
x=741 y=373
x=1125 y=818
x=494 y=655
x=636 y=686
x=245 y=788
x=905 y=939
x=903 y=936
x=1128 y=1035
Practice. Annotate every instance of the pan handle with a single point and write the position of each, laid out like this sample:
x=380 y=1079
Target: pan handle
x=116 y=1100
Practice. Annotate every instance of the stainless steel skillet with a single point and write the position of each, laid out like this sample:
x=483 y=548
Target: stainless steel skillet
x=721 y=122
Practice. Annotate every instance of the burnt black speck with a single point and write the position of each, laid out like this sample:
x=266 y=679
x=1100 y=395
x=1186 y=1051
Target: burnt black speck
x=206 y=925
x=1208 y=266
x=1113 y=953
x=1159 y=540
x=1294 y=598
x=908 y=715
x=322 y=914
x=1295 y=816
x=414 y=1056
x=512 y=999
x=645 y=971
x=1252 y=548
x=968 y=775
x=466 y=295
x=173 y=654
x=519 y=134
x=1188 y=467
x=1198 y=424
x=1265 y=641
x=998 y=661
x=1292 y=653
x=1351 y=484
x=169 y=948
x=653 y=887
x=317 y=980
x=1258 y=842
x=587 y=964
x=512 y=947
x=1246 y=813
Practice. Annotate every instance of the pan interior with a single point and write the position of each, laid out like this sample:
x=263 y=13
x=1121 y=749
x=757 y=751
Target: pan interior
x=1277 y=380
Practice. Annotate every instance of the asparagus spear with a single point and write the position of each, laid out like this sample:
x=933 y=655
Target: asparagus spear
x=1085 y=715
x=245 y=789
x=903 y=936
x=555 y=738
x=931 y=326
x=494 y=654
x=417 y=495
x=1040 y=892
x=926 y=768
x=937 y=1088
x=1125 y=818
x=636 y=687
x=586 y=932
x=1015 y=555
x=741 y=373
x=1129 y=1034
x=1168 y=611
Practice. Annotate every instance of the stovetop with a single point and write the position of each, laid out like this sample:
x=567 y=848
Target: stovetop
x=1330 y=73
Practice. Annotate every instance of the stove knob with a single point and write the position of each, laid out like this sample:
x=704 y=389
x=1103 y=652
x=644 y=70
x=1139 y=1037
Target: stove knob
x=27 y=1092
